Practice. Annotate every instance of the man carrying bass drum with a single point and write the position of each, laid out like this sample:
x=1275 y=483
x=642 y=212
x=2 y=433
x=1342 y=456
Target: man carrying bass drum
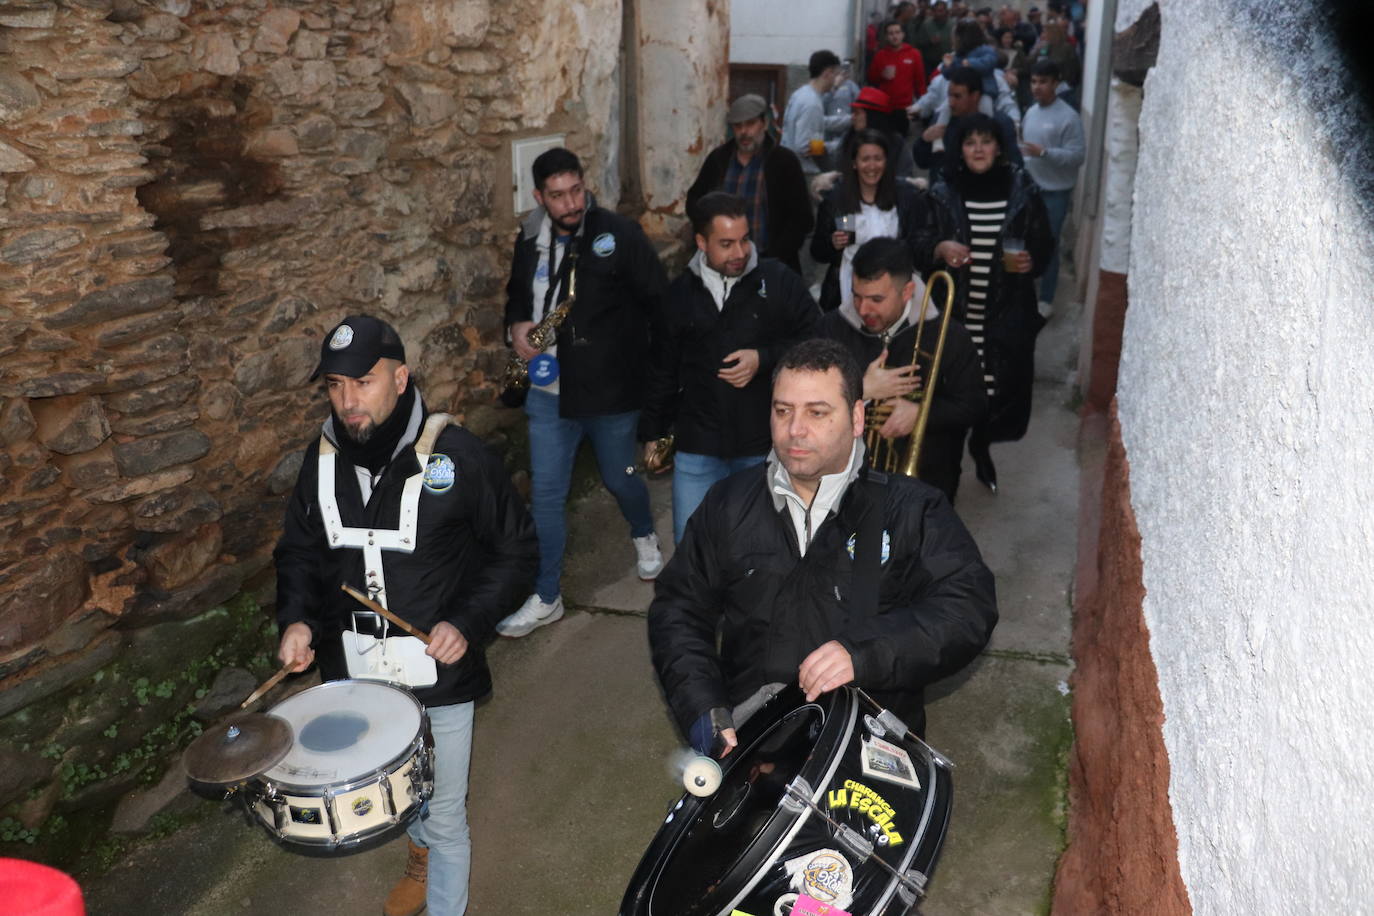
x=815 y=570
x=397 y=501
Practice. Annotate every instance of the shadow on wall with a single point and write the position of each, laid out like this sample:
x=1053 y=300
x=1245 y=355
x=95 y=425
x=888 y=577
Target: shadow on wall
x=203 y=166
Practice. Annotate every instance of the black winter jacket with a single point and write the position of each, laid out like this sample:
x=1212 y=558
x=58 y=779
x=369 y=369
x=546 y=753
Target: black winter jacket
x=738 y=580
x=915 y=225
x=789 y=201
x=1012 y=320
x=474 y=561
x=960 y=396
x=603 y=345
x=768 y=309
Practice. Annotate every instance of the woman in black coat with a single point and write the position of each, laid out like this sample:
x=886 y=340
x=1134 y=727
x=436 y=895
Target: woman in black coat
x=994 y=234
x=877 y=203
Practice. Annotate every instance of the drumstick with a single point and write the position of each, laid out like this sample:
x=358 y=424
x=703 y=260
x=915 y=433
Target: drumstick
x=374 y=606
x=268 y=684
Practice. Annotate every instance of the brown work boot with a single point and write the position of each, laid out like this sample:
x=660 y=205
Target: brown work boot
x=407 y=898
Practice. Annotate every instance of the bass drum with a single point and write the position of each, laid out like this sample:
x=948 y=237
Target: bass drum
x=820 y=805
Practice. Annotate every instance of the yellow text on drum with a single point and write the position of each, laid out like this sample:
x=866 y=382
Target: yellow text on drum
x=861 y=798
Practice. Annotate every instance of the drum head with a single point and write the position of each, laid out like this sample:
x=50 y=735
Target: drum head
x=751 y=847
x=343 y=730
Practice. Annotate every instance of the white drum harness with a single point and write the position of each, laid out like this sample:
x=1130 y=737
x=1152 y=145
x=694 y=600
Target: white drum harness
x=395 y=658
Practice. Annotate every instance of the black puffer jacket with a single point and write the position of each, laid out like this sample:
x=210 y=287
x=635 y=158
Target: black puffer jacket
x=738 y=576
x=1012 y=320
x=603 y=345
x=768 y=309
x=474 y=560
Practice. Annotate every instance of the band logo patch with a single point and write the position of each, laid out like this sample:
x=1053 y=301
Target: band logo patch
x=855 y=796
x=603 y=246
x=825 y=875
x=439 y=473
x=343 y=336
x=887 y=547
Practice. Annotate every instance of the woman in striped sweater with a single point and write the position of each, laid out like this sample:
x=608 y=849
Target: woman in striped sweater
x=983 y=212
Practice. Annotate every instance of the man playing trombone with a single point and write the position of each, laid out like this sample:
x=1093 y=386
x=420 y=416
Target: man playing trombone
x=880 y=329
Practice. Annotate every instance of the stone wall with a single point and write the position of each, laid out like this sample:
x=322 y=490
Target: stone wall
x=191 y=194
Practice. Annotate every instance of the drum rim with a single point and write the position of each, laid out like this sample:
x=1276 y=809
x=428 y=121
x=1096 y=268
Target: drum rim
x=928 y=812
x=317 y=790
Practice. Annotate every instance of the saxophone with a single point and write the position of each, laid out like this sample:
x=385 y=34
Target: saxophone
x=516 y=377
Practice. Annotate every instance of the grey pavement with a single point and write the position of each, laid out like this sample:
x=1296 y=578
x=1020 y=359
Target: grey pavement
x=570 y=775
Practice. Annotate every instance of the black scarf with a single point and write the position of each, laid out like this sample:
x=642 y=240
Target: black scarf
x=375 y=453
x=994 y=184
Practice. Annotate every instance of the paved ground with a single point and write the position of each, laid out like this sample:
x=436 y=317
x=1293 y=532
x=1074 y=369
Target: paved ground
x=570 y=776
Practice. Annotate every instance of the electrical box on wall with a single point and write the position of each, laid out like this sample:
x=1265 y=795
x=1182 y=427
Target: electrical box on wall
x=522 y=156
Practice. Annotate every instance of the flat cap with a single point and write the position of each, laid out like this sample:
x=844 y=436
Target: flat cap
x=746 y=108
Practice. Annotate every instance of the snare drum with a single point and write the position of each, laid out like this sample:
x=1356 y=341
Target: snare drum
x=819 y=800
x=359 y=766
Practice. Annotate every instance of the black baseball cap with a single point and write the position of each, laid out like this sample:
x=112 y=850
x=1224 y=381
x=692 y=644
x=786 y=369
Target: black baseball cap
x=353 y=346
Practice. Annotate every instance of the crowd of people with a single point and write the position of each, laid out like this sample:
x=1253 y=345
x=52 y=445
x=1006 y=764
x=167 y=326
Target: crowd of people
x=835 y=253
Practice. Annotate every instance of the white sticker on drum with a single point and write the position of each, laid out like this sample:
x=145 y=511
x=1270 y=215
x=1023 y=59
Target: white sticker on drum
x=884 y=760
x=825 y=875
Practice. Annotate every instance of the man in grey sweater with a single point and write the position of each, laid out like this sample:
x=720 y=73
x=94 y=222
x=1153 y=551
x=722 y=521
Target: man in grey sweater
x=1052 y=143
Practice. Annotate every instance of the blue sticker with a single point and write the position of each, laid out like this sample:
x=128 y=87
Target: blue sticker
x=887 y=547
x=603 y=246
x=439 y=473
x=543 y=370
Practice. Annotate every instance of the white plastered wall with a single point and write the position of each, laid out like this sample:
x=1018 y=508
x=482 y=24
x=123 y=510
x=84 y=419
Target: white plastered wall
x=1248 y=416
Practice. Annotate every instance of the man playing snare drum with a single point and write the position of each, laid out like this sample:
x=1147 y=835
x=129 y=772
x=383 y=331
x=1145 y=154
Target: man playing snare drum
x=399 y=503
x=812 y=570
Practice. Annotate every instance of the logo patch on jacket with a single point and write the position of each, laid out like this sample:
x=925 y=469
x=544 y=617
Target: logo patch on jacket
x=440 y=474
x=887 y=546
x=603 y=246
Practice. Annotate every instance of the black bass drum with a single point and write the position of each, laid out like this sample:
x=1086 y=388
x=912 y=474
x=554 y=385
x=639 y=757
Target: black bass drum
x=826 y=806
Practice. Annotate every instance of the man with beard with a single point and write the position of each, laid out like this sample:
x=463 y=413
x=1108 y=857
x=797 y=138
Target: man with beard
x=590 y=382
x=722 y=327
x=769 y=177
x=815 y=571
x=879 y=329
x=400 y=503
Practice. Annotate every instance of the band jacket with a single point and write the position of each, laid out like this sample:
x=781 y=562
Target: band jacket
x=789 y=202
x=960 y=395
x=474 y=560
x=739 y=577
x=915 y=225
x=768 y=309
x=603 y=344
x=1012 y=320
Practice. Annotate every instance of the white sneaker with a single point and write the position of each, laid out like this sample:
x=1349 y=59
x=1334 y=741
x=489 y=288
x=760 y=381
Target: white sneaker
x=649 y=560
x=1046 y=309
x=534 y=613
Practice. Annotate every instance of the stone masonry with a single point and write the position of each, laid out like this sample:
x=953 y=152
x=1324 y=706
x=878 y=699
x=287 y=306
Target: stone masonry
x=190 y=194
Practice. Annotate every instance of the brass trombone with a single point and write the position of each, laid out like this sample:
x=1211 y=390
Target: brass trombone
x=883 y=453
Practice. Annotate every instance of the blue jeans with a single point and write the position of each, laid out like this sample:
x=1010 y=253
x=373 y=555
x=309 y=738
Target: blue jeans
x=553 y=446
x=693 y=476
x=1057 y=205
x=443 y=828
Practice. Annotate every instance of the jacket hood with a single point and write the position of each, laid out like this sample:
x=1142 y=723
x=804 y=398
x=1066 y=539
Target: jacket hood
x=535 y=219
x=909 y=318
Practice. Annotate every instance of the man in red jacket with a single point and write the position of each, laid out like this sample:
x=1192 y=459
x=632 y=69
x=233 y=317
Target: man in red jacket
x=898 y=70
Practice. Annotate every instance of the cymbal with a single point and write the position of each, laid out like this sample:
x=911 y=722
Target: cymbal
x=238 y=749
